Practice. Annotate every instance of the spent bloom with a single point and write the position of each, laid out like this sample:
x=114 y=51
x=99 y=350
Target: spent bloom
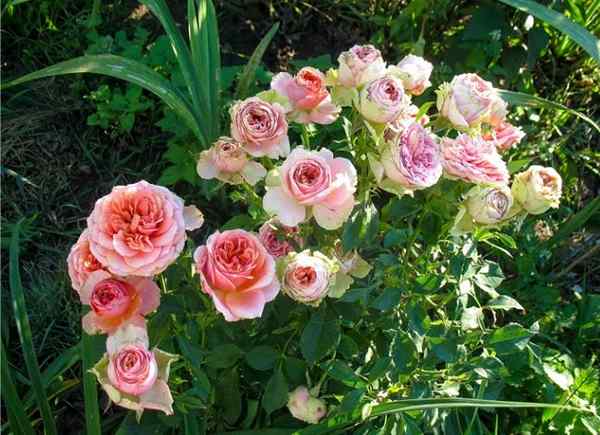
x=261 y=126
x=139 y=229
x=537 y=189
x=359 y=65
x=308 y=96
x=504 y=136
x=307 y=277
x=228 y=162
x=312 y=180
x=238 y=273
x=382 y=100
x=414 y=71
x=279 y=239
x=489 y=205
x=81 y=262
x=304 y=406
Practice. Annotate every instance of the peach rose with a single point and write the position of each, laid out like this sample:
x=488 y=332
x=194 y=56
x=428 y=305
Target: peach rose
x=139 y=229
x=116 y=301
x=414 y=71
x=382 y=100
x=473 y=160
x=238 y=273
x=307 y=277
x=308 y=96
x=228 y=162
x=278 y=239
x=133 y=370
x=504 y=136
x=312 y=180
x=360 y=65
x=261 y=127
x=81 y=262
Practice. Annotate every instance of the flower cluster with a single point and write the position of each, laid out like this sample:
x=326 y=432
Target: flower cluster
x=136 y=231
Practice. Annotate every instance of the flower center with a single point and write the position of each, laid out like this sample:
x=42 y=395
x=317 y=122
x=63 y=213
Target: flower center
x=308 y=173
x=305 y=275
x=236 y=255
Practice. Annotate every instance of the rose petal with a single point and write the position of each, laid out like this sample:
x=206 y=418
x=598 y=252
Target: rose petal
x=89 y=323
x=253 y=172
x=148 y=292
x=280 y=83
x=331 y=219
x=246 y=305
x=133 y=332
x=192 y=217
x=205 y=167
x=88 y=287
x=288 y=211
x=158 y=398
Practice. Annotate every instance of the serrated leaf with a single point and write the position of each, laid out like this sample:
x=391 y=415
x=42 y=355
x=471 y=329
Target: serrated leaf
x=276 y=392
x=320 y=337
x=504 y=302
x=224 y=356
x=262 y=357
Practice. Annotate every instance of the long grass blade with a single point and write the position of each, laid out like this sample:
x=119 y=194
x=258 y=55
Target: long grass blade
x=580 y=35
x=249 y=72
x=576 y=221
x=24 y=329
x=90 y=355
x=19 y=423
x=124 y=69
x=214 y=55
x=519 y=98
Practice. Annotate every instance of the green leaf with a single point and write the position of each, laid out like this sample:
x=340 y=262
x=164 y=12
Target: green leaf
x=380 y=368
x=342 y=372
x=521 y=99
x=320 y=336
x=576 y=222
x=230 y=395
x=388 y=299
x=580 y=35
x=224 y=356
x=262 y=357
x=404 y=353
x=24 y=330
x=92 y=348
x=504 y=302
x=249 y=72
x=14 y=407
x=508 y=339
x=276 y=392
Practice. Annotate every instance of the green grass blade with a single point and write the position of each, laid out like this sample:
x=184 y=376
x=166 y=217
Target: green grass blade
x=576 y=221
x=91 y=347
x=519 y=98
x=580 y=35
x=124 y=69
x=214 y=54
x=20 y=309
x=14 y=406
x=249 y=72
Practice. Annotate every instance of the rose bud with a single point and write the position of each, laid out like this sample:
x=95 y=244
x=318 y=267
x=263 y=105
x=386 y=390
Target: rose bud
x=238 y=273
x=307 y=277
x=537 y=189
x=312 y=180
x=279 y=239
x=467 y=100
x=308 y=96
x=139 y=229
x=382 y=100
x=414 y=71
x=81 y=262
x=473 y=160
x=133 y=376
x=489 y=205
x=116 y=301
x=504 y=136
x=305 y=407
x=359 y=65
x=228 y=162
x=261 y=126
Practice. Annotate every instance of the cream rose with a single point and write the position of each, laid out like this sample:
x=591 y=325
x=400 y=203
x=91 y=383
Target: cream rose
x=537 y=189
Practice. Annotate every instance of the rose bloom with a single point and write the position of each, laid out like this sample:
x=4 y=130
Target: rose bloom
x=537 y=189
x=382 y=100
x=133 y=370
x=504 y=136
x=414 y=71
x=412 y=158
x=408 y=114
x=139 y=229
x=489 y=205
x=473 y=160
x=261 y=127
x=359 y=65
x=305 y=407
x=307 y=277
x=228 y=162
x=116 y=301
x=81 y=262
x=238 y=273
x=279 y=239
x=468 y=100
x=314 y=180
x=308 y=96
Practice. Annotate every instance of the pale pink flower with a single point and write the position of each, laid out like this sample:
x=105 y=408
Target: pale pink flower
x=279 y=239
x=261 y=127
x=305 y=407
x=316 y=181
x=308 y=96
x=504 y=136
x=414 y=71
x=81 y=262
x=238 y=273
x=474 y=160
x=116 y=301
x=139 y=229
x=228 y=162
x=133 y=370
x=307 y=277
x=382 y=100
x=359 y=65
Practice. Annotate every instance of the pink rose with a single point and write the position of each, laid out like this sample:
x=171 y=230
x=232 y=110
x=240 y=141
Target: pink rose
x=382 y=100
x=139 y=229
x=474 y=160
x=498 y=111
x=278 y=239
x=261 y=127
x=412 y=158
x=467 y=100
x=306 y=277
x=414 y=71
x=359 y=65
x=81 y=262
x=133 y=370
x=308 y=96
x=116 y=301
x=238 y=273
x=504 y=136
x=306 y=407
x=314 y=180
x=228 y=162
